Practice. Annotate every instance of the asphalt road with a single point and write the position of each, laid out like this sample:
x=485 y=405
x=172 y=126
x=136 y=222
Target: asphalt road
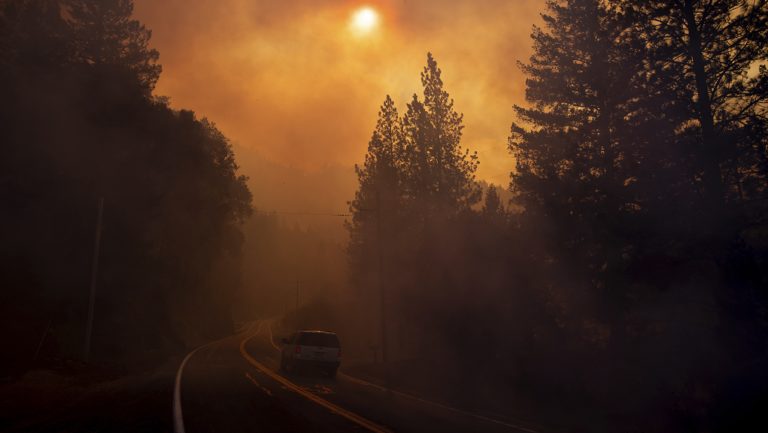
x=235 y=385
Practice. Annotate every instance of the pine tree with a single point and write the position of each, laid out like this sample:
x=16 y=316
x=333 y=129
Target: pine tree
x=33 y=34
x=575 y=162
x=380 y=189
x=706 y=53
x=492 y=204
x=106 y=35
x=440 y=174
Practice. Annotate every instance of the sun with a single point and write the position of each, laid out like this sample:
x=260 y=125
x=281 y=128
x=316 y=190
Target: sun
x=364 y=20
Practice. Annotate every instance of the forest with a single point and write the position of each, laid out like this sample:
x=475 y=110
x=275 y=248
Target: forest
x=80 y=124
x=629 y=271
x=619 y=279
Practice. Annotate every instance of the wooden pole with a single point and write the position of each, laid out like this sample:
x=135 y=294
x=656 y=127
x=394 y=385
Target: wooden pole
x=94 y=274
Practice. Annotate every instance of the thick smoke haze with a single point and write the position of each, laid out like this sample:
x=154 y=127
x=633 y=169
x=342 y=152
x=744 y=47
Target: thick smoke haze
x=295 y=89
x=395 y=215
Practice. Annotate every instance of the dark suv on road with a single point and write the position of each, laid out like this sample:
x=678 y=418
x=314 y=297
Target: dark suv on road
x=318 y=349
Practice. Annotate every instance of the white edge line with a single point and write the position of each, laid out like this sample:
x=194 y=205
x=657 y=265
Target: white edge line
x=178 y=417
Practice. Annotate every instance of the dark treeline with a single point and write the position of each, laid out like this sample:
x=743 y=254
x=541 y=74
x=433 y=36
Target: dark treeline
x=79 y=123
x=629 y=284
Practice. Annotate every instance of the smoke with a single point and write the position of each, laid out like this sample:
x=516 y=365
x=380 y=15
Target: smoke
x=288 y=80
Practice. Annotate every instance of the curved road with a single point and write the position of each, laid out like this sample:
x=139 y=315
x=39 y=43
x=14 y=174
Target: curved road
x=234 y=385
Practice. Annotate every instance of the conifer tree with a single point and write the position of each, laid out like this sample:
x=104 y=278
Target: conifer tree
x=492 y=204
x=415 y=180
x=440 y=173
x=106 y=35
x=576 y=165
x=708 y=54
x=33 y=34
x=379 y=194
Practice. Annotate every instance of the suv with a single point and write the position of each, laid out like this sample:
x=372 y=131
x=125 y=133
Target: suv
x=311 y=348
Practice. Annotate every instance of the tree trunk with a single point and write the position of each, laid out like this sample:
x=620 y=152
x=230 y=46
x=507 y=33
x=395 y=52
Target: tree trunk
x=710 y=155
x=715 y=231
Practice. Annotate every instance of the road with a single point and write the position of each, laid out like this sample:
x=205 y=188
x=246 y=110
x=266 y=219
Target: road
x=235 y=385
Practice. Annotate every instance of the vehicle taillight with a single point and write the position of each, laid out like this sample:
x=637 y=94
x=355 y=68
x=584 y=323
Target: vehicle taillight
x=298 y=349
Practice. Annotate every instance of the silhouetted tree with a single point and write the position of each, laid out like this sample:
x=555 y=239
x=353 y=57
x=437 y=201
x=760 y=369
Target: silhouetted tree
x=106 y=35
x=419 y=183
x=708 y=55
x=492 y=204
x=440 y=174
x=576 y=159
x=378 y=200
x=646 y=122
x=78 y=122
x=33 y=35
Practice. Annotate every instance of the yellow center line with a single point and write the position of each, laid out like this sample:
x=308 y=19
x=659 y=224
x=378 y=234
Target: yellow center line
x=255 y=382
x=357 y=419
x=413 y=397
x=440 y=405
x=271 y=340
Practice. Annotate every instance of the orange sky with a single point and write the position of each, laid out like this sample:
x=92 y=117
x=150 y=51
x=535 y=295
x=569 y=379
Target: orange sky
x=289 y=79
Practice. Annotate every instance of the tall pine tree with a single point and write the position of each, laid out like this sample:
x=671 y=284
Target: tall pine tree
x=440 y=174
x=415 y=182
x=711 y=54
x=377 y=202
x=107 y=36
x=576 y=168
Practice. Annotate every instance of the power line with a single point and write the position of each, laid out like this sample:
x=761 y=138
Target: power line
x=309 y=214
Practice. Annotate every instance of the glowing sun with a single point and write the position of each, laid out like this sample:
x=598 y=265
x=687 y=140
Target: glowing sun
x=364 y=20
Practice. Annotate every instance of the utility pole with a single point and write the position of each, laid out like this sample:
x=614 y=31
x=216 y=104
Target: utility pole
x=94 y=274
x=42 y=339
x=382 y=288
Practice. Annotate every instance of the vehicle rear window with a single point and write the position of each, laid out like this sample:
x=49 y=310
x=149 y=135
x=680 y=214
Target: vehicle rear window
x=318 y=339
